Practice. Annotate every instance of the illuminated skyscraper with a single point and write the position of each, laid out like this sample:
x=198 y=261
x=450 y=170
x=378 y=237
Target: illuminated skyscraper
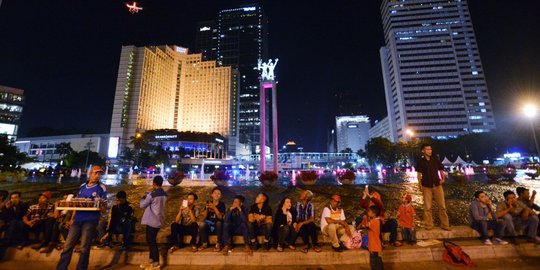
x=166 y=88
x=433 y=77
x=241 y=39
x=11 y=107
x=352 y=132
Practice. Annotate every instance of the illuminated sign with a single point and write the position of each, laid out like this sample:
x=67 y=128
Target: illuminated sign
x=181 y=50
x=206 y=28
x=165 y=137
x=219 y=140
x=512 y=155
x=267 y=69
x=250 y=9
x=113 y=147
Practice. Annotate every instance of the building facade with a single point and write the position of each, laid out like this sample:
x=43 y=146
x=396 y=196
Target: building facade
x=206 y=39
x=352 y=132
x=433 y=76
x=44 y=149
x=242 y=41
x=11 y=107
x=381 y=129
x=164 y=87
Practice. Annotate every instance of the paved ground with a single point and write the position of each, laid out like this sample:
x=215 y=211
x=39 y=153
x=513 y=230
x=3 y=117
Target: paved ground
x=506 y=263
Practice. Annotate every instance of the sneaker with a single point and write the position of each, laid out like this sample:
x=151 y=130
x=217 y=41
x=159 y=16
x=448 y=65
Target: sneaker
x=226 y=250
x=144 y=265
x=218 y=248
x=487 y=242
x=500 y=241
x=203 y=247
x=153 y=267
x=173 y=249
x=317 y=248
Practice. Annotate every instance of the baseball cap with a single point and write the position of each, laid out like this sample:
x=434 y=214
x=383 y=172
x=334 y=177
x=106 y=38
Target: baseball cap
x=47 y=194
x=336 y=198
x=96 y=169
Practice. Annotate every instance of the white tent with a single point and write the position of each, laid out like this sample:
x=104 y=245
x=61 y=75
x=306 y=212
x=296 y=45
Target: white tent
x=459 y=161
x=446 y=162
x=473 y=164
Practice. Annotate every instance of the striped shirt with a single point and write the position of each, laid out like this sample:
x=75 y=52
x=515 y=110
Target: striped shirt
x=304 y=213
x=38 y=211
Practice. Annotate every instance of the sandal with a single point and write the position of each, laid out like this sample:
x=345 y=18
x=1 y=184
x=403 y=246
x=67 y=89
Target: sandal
x=291 y=247
x=203 y=247
x=217 y=248
x=305 y=249
x=279 y=248
x=173 y=249
x=194 y=248
x=317 y=249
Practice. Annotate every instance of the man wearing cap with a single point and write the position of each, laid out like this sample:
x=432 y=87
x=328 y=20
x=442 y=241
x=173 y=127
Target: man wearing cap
x=333 y=224
x=39 y=219
x=85 y=222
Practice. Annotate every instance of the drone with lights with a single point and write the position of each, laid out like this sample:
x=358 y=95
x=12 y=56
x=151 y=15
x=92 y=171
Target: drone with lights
x=133 y=8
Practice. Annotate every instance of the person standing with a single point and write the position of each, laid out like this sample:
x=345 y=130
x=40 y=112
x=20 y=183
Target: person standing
x=374 y=238
x=85 y=222
x=153 y=204
x=430 y=172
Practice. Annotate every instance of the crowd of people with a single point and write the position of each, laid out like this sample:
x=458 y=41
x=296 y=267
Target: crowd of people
x=279 y=229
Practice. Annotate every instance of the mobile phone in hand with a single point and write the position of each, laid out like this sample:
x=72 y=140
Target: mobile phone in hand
x=184 y=203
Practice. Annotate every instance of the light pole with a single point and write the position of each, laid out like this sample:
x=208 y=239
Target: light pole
x=88 y=147
x=530 y=111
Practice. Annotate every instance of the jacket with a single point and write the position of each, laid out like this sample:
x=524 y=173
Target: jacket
x=154 y=208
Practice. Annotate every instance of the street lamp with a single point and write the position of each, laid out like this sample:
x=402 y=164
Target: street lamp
x=410 y=134
x=530 y=111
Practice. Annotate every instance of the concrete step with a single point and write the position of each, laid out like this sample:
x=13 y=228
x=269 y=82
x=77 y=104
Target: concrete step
x=421 y=234
x=238 y=257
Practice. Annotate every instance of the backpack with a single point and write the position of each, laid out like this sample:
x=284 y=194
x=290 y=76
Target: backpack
x=454 y=255
x=355 y=241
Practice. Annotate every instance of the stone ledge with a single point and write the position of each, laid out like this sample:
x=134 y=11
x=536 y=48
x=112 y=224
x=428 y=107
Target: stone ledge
x=238 y=257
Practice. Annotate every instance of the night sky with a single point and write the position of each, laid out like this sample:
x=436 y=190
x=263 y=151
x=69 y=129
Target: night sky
x=65 y=54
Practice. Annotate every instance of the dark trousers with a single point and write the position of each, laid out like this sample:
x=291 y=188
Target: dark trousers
x=482 y=227
x=375 y=261
x=390 y=226
x=44 y=226
x=58 y=229
x=307 y=231
x=14 y=232
x=86 y=231
x=178 y=231
x=230 y=229
x=286 y=235
x=409 y=235
x=259 y=229
x=123 y=228
x=211 y=227
x=151 y=235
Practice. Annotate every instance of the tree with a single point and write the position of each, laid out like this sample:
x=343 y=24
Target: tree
x=10 y=157
x=381 y=150
x=64 y=149
x=78 y=159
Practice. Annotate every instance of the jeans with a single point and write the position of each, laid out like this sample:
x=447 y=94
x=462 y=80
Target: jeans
x=151 y=235
x=390 y=226
x=124 y=228
x=86 y=231
x=209 y=226
x=44 y=226
x=286 y=235
x=409 y=235
x=375 y=261
x=531 y=225
x=307 y=231
x=258 y=229
x=498 y=226
x=438 y=193
x=178 y=232
x=230 y=229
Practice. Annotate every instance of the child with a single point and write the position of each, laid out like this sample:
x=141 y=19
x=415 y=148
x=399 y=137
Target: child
x=374 y=238
x=406 y=219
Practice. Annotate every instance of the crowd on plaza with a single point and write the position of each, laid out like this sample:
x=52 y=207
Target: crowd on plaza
x=280 y=229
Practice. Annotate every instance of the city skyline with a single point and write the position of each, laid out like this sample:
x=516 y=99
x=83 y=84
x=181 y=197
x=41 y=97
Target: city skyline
x=322 y=51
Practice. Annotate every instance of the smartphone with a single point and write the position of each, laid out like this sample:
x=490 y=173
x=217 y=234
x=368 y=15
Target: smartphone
x=184 y=203
x=367 y=186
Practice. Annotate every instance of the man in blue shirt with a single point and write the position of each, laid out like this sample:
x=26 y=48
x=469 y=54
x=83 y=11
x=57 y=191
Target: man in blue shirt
x=85 y=222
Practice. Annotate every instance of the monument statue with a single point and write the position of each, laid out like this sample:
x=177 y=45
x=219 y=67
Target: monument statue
x=267 y=69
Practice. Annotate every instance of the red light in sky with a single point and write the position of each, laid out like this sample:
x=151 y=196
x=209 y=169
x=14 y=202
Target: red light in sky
x=133 y=8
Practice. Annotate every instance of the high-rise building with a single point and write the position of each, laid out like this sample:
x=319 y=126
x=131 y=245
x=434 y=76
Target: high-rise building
x=206 y=40
x=242 y=41
x=164 y=87
x=352 y=132
x=433 y=77
x=381 y=129
x=11 y=107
